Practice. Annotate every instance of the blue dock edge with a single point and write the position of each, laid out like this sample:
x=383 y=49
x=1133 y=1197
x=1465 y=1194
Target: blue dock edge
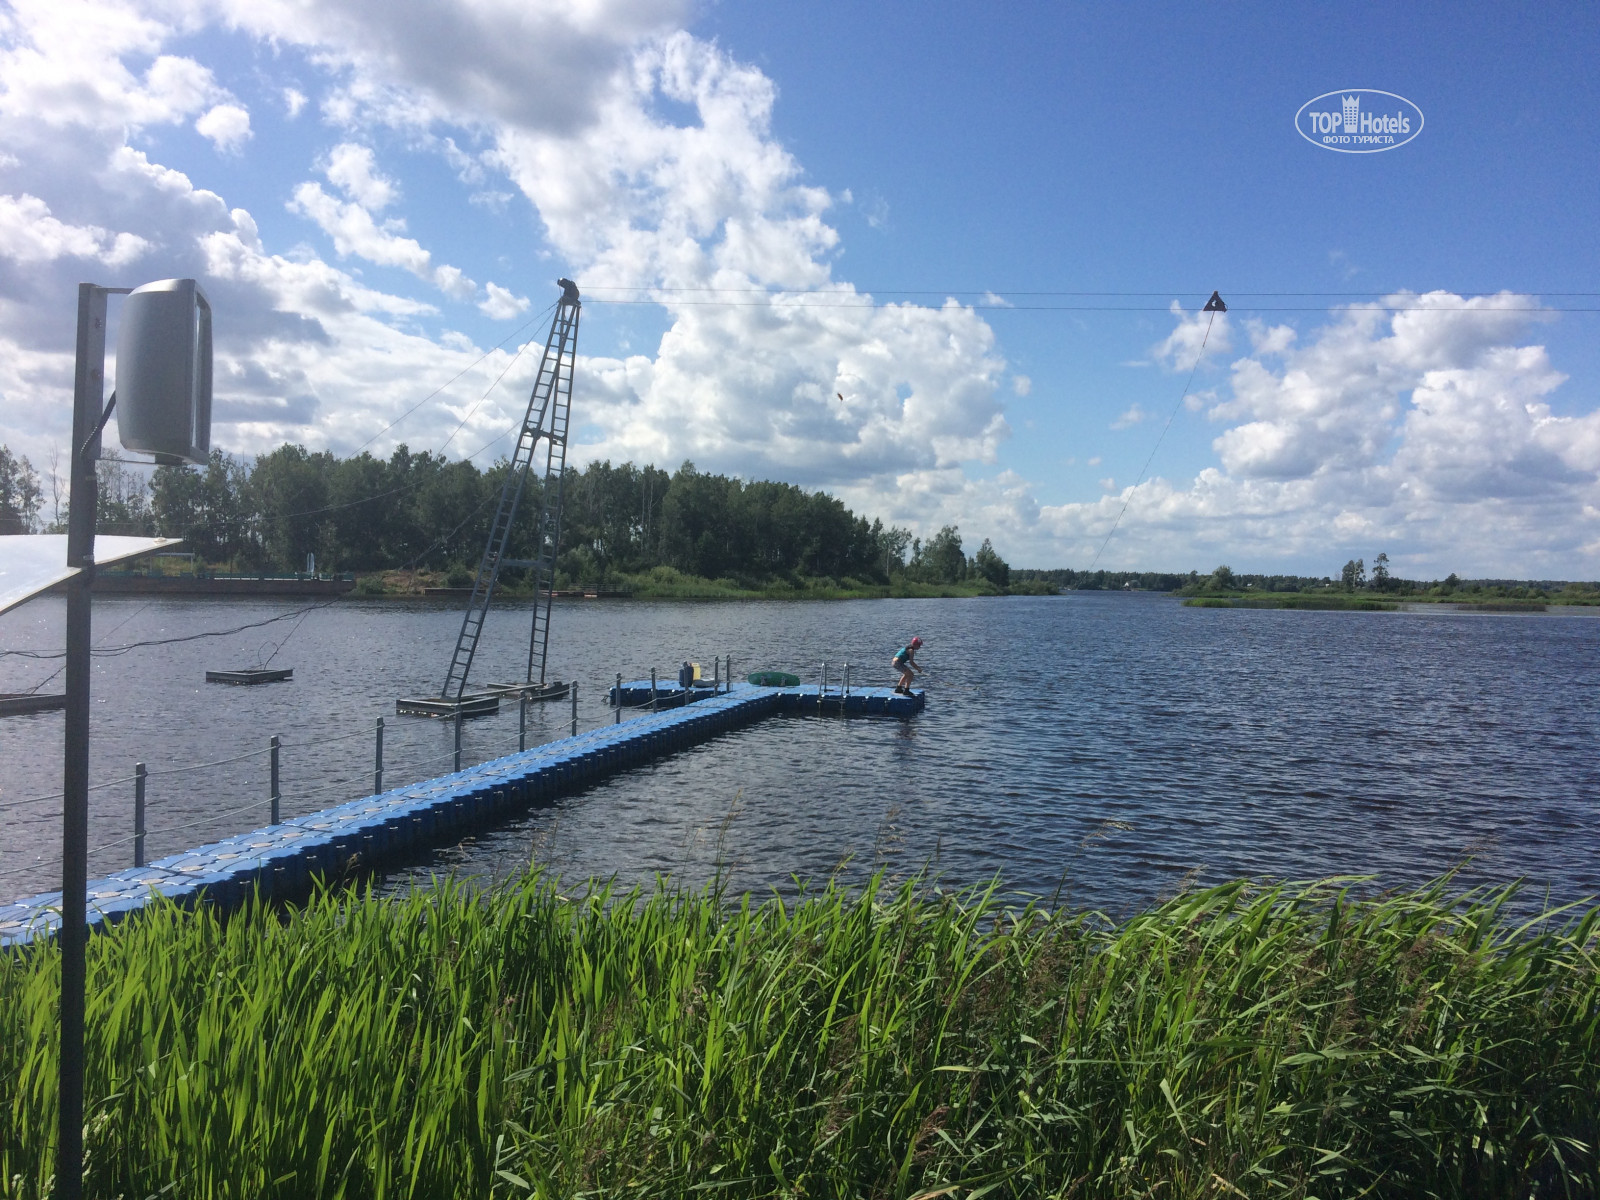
x=282 y=861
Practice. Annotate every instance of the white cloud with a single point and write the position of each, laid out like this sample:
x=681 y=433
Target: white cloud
x=293 y=101
x=1021 y=385
x=639 y=201
x=495 y=202
x=226 y=126
x=539 y=64
x=1197 y=335
x=356 y=232
x=875 y=209
x=1418 y=425
x=1133 y=415
x=30 y=234
x=353 y=169
x=501 y=304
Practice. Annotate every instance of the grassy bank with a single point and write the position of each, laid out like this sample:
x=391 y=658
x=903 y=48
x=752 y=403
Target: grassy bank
x=1334 y=601
x=667 y=583
x=1287 y=1042
x=1358 y=602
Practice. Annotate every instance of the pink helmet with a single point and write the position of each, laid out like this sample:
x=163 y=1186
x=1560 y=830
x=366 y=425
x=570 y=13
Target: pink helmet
x=916 y=642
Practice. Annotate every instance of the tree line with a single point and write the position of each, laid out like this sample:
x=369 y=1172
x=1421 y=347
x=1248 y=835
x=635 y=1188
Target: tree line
x=423 y=511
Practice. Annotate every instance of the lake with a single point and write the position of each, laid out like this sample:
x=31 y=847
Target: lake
x=1110 y=745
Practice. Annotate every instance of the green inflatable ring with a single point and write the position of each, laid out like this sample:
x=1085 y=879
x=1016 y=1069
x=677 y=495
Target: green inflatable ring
x=773 y=679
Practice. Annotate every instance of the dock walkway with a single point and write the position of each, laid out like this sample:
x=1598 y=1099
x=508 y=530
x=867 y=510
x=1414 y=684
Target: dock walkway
x=281 y=861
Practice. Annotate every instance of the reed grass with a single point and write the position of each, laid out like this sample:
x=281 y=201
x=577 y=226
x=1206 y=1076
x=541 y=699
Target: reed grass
x=887 y=1042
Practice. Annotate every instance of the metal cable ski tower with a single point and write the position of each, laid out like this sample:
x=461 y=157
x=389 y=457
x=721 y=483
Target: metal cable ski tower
x=547 y=419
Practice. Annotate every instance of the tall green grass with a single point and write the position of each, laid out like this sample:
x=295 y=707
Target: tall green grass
x=1291 y=1041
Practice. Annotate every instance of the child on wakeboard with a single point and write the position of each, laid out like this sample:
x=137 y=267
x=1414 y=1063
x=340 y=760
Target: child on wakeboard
x=905 y=663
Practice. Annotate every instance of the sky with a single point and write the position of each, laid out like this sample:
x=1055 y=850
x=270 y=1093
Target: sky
x=944 y=261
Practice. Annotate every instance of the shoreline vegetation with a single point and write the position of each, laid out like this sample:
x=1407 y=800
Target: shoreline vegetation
x=666 y=583
x=624 y=529
x=1382 y=592
x=891 y=1040
x=415 y=522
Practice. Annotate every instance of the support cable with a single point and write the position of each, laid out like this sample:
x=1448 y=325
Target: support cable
x=1143 y=470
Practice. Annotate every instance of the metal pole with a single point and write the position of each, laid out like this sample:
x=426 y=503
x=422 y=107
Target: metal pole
x=276 y=795
x=458 y=737
x=138 y=814
x=88 y=395
x=572 y=690
x=846 y=689
x=618 y=720
x=716 y=674
x=522 y=721
x=822 y=687
x=377 y=762
x=652 y=689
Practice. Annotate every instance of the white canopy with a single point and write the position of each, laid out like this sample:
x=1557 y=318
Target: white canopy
x=33 y=562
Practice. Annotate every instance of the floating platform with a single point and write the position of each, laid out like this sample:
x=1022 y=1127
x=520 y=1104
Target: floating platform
x=16 y=704
x=530 y=691
x=113 y=583
x=281 y=862
x=864 y=701
x=484 y=703
x=276 y=675
x=473 y=704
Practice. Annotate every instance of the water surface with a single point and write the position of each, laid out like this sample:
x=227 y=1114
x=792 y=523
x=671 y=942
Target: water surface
x=1119 y=743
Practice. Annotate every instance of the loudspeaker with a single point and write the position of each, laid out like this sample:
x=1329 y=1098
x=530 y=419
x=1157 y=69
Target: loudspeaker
x=164 y=371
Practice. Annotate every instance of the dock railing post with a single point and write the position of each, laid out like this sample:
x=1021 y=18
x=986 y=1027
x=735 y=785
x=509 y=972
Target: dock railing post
x=572 y=690
x=276 y=795
x=458 y=738
x=845 y=691
x=716 y=674
x=522 y=722
x=822 y=686
x=138 y=814
x=618 y=720
x=377 y=761
x=652 y=689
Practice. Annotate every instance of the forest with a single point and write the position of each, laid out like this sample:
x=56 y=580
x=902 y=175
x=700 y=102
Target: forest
x=426 y=512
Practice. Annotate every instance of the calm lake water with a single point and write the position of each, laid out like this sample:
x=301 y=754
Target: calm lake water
x=1118 y=741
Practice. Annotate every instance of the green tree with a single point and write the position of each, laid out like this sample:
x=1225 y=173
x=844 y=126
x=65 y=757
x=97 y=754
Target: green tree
x=289 y=491
x=19 y=493
x=207 y=507
x=1221 y=580
x=940 y=558
x=991 y=566
x=1381 y=580
x=1354 y=575
x=124 y=505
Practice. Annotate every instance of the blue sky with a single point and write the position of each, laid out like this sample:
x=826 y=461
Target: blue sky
x=1150 y=149
x=350 y=180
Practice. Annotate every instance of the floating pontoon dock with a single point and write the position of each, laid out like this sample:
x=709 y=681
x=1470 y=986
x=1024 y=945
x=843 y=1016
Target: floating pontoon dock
x=254 y=675
x=281 y=861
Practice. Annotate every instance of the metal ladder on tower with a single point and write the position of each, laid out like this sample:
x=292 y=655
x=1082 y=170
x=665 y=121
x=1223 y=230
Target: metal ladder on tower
x=547 y=418
x=548 y=542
